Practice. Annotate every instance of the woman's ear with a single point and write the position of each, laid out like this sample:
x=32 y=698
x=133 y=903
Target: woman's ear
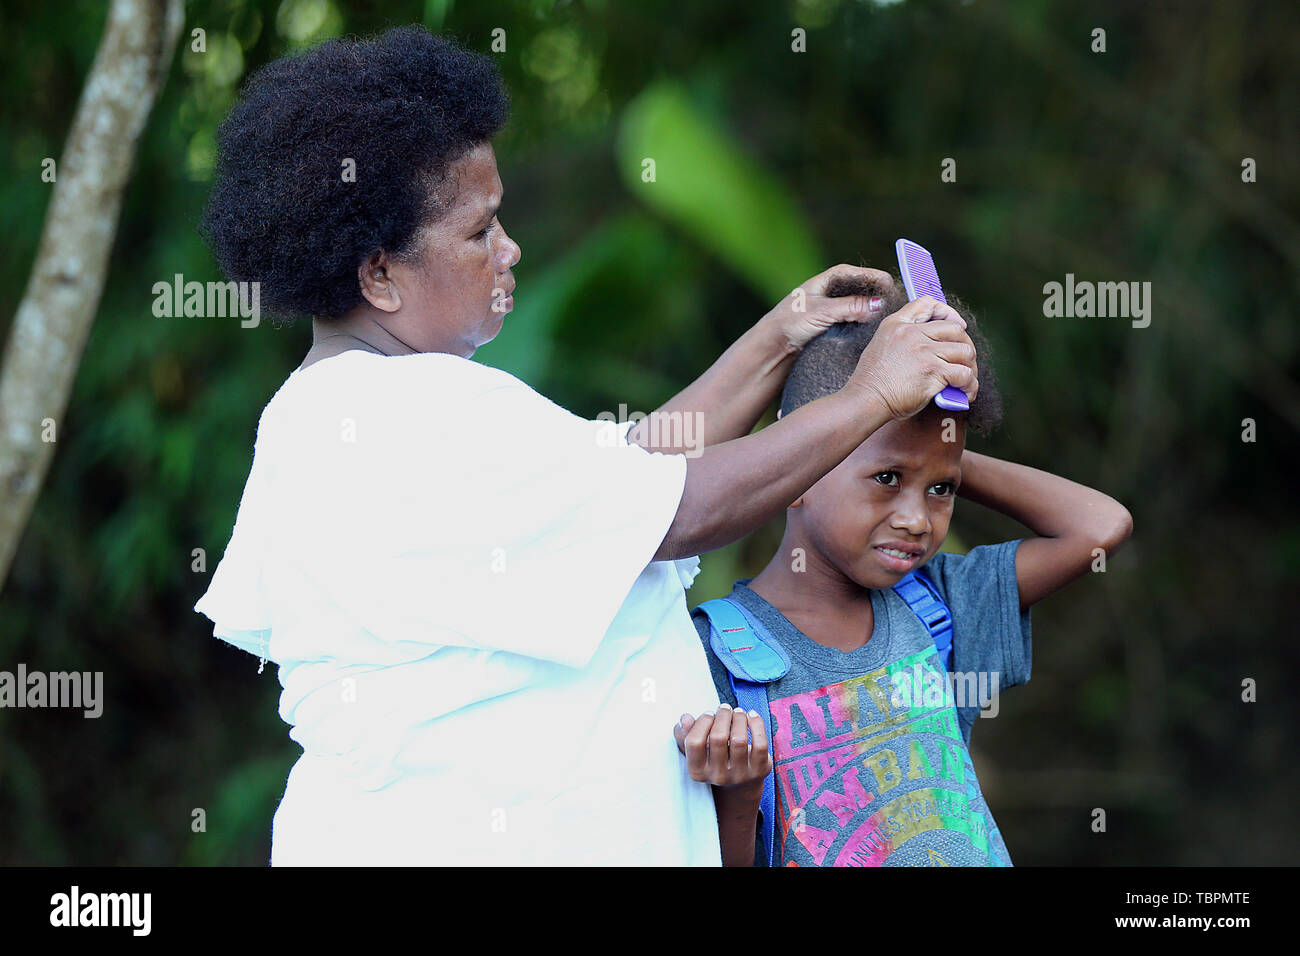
x=376 y=280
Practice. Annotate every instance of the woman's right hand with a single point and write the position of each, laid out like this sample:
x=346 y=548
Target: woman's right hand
x=911 y=359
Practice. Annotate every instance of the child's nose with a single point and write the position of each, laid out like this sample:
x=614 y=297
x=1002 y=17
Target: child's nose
x=912 y=518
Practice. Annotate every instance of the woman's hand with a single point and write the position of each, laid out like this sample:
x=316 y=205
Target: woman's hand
x=718 y=750
x=807 y=311
x=911 y=358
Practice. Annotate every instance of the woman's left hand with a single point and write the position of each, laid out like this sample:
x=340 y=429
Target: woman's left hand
x=807 y=311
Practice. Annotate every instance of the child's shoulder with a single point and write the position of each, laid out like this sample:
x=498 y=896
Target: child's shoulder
x=701 y=622
x=739 y=595
x=991 y=631
x=980 y=566
x=700 y=616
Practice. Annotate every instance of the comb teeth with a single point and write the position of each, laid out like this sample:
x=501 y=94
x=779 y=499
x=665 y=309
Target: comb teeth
x=919 y=272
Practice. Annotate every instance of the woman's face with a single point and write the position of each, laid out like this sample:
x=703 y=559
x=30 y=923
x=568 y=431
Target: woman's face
x=457 y=293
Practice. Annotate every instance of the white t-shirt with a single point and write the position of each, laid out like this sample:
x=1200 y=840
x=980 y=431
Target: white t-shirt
x=478 y=656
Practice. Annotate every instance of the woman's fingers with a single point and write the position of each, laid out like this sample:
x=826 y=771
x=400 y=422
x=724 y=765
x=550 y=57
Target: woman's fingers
x=964 y=378
x=819 y=283
x=955 y=348
x=925 y=309
x=849 y=308
x=957 y=352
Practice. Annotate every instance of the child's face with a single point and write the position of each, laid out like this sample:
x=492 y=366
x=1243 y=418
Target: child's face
x=895 y=491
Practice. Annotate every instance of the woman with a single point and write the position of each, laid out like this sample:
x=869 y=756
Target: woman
x=475 y=599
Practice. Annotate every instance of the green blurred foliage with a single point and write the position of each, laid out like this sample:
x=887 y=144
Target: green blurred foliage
x=714 y=192
x=770 y=166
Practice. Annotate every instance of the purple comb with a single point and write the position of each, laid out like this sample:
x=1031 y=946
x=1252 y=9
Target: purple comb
x=920 y=278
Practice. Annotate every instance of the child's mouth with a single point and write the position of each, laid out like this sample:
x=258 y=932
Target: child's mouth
x=897 y=559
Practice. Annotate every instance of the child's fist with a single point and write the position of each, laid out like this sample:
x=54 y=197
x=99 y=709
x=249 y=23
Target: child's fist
x=719 y=751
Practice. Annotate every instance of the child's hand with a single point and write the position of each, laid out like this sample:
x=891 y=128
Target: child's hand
x=718 y=750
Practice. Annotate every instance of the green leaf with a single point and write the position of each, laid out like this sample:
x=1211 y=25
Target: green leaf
x=706 y=184
x=435 y=13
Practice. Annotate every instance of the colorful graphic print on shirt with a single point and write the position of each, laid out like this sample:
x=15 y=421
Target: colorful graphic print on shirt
x=867 y=776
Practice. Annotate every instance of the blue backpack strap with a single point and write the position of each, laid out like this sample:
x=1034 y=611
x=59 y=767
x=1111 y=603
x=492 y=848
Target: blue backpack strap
x=753 y=658
x=743 y=645
x=920 y=594
x=751 y=696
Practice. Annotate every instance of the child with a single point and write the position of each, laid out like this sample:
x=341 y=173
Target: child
x=870 y=768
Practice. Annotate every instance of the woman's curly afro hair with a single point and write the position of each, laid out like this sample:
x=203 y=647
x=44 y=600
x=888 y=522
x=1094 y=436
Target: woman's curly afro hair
x=403 y=106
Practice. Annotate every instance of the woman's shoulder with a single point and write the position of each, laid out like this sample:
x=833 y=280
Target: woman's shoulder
x=426 y=378
x=387 y=401
x=428 y=367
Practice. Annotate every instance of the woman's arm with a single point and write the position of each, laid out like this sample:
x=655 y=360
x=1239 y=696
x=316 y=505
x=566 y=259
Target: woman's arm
x=1071 y=520
x=735 y=487
x=727 y=401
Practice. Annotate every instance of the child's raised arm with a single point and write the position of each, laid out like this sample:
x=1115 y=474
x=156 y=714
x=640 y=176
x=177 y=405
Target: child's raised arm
x=1071 y=520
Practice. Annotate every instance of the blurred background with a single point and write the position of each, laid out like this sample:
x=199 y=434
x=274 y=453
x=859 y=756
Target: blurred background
x=771 y=166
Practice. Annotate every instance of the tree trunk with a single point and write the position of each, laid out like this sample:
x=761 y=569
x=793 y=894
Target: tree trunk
x=58 y=307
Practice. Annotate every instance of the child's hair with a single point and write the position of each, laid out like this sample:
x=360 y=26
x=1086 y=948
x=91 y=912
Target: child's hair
x=828 y=361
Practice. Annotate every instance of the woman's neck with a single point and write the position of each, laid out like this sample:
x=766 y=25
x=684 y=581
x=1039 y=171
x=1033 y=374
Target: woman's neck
x=357 y=329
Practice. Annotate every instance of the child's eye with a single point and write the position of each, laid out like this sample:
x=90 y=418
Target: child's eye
x=943 y=489
x=887 y=478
